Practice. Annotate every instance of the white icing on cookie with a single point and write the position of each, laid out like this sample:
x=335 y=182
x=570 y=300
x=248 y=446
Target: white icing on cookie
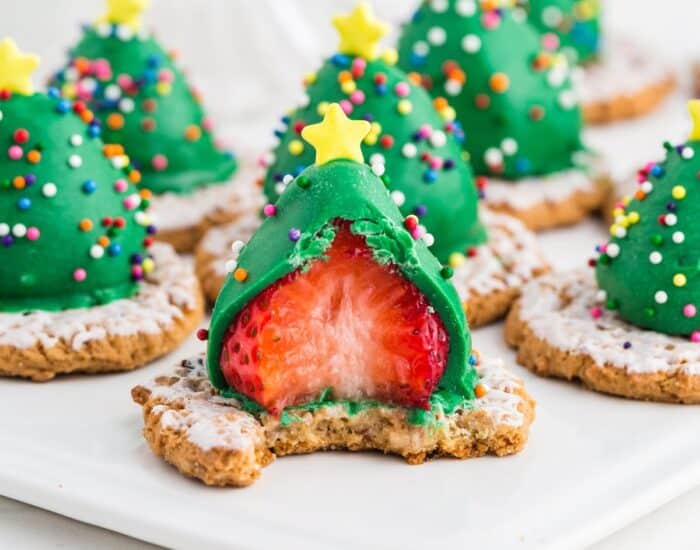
x=625 y=69
x=163 y=296
x=531 y=191
x=510 y=258
x=557 y=307
x=210 y=421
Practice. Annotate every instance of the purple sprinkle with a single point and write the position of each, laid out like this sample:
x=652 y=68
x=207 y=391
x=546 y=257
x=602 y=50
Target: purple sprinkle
x=30 y=179
x=420 y=210
x=627 y=345
x=7 y=240
x=294 y=234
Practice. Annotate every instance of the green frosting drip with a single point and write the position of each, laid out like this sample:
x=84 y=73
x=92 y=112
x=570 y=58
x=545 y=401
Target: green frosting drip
x=443 y=196
x=43 y=251
x=514 y=98
x=575 y=22
x=146 y=104
x=651 y=270
x=345 y=190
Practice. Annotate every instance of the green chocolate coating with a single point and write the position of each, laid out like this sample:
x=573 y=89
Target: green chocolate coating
x=445 y=197
x=346 y=190
x=38 y=273
x=156 y=115
x=514 y=99
x=663 y=244
x=576 y=23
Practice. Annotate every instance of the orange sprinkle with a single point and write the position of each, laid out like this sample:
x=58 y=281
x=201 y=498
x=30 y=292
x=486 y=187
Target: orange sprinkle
x=440 y=103
x=345 y=76
x=33 y=156
x=415 y=78
x=18 y=182
x=103 y=241
x=240 y=274
x=193 y=132
x=639 y=195
x=115 y=121
x=82 y=64
x=479 y=391
x=135 y=176
x=260 y=182
x=457 y=74
x=85 y=224
x=499 y=82
x=145 y=194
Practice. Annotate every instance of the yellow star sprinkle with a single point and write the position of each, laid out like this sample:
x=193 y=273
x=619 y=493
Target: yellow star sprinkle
x=337 y=137
x=360 y=32
x=16 y=68
x=125 y=12
x=694 y=108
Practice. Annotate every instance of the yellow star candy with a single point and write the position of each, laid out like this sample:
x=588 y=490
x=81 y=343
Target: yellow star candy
x=360 y=32
x=125 y=12
x=694 y=109
x=337 y=137
x=16 y=68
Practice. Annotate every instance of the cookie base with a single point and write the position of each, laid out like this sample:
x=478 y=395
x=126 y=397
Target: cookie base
x=119 y=336
x=488 y=282
x=627 y=82
x=211 y=438
x=555 y=335
x=547 y=202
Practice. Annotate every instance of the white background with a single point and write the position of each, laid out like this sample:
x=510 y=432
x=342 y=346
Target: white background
x=249 y=56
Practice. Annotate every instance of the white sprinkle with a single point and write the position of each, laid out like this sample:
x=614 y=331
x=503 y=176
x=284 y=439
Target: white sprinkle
x=687 y=153
x=509 y=146
x=613 y=250
x=230 y=266
x=551 y=16
x=465 y=8
x=76 y=140
x=661 y=297
x=421 y=48
x=124 y=32
x=377 y=158
x=113 y=92
x=601 y=296
x=568 y=99
x=96 y=251
x=656 y=257
x=437 y=36
x=378 y=170
x=671 y=219
x=409 y=150
x=49 y=190
x=647 y=187
x=287 y=179
x=678 y=237
x=103 y=29
x=126 y=105
x=398 y=197
x=280 y=187
x=453 y=87
x=493 y=157
x=438 y=138
x=4 y=229
x=75 y=161
x=621 y=232
x=471 y=43
x=19 y=230
x=429 y=239
x=439 y=6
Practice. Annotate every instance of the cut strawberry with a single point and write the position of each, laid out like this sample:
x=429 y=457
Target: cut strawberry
x=347 y=323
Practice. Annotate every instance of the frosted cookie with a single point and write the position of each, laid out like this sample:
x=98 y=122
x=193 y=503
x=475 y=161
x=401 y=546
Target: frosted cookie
x=143 y=102
x=413 y=146
x=81 y=287
x=634 y=330
x=515 y=104
x=336 y=330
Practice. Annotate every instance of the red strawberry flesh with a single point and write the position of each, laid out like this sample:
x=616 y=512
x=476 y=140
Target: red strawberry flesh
x=347 y=323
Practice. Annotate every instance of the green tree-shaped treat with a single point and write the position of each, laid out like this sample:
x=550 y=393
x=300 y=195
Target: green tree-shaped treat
x=512 y=94
x=413 y=144
x=144 y=102
x=573 y=24
x=333 y=300
x=650 y=269
x=72 y=225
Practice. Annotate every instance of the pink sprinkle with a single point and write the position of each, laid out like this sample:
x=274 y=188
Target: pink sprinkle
x=491 y=20
x=550 y=41
x=208 y=124
x=346 y=106
x=425 y=131
x=435 y=163
x=359 y=64
x=159 y=162
x=102 y=69
x=15 y=152
x=695 y=336
x=417 y=233
x=131 y=202
x=124 y=81
x=80 y=275
x=596 y=312
x=357 y=97
x=165 y=75
x=269 y=210
x=690 y=310
x=402 y=89
x=33 y=233
x=137 y=271
x=121 y=185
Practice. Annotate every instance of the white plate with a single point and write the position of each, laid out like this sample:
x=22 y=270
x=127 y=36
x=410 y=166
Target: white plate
x=594 y=463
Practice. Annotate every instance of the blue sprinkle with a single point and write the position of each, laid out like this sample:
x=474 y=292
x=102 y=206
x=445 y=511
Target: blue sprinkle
x=417 y=60
x=430 y=176
x=522 y=165
x=657 y=170
x=53 y=92
x=340 y=60
x=381 y=89
x=298 y=170
x=89 y=187
x=63 y=106
x=94 y=131
x=24 y=203
x=153 y=61
x=114 y=249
